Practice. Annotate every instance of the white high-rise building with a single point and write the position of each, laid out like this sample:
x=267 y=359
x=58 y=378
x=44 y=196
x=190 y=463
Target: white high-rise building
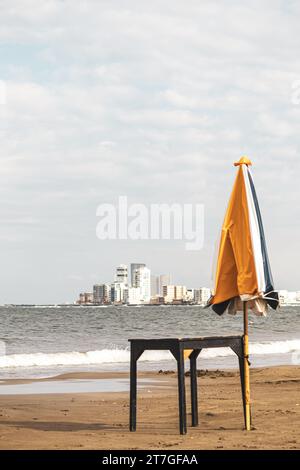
x=133 y=267
x=142 y=280
x=180 y=293
x=168 y=293
x=119 y=292
x=202 y=295
x=122 y=274
x=190 y=295
x=134 y=296
x=205 y=293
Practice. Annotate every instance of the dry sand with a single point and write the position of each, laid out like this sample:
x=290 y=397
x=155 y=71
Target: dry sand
x=100 y=420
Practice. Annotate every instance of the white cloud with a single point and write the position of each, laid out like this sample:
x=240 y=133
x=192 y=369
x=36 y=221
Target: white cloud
x=154 y=100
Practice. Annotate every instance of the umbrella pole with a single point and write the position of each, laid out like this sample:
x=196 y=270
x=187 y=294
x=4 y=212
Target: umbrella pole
x=246 y=368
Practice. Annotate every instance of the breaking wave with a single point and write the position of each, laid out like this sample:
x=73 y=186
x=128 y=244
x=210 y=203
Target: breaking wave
x=109 y=356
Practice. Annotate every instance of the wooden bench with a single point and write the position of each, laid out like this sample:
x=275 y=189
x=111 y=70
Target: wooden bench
x=177 y=346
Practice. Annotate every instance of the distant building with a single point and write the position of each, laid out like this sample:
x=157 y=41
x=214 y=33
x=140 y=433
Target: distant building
x=288 y=297
x=164 y=280
x=133 y=267
x=173 y=293
x=292 y=297
x=134 y=296
x=102 y=293
x=89 y=298
x=157 y=283
x=157 y=300
x=190 y=295
x=168 y=293
x=119 y=292
x=142 y=280
x=202 y=295
x=283 y=296
x=154 y=285
x=122 y=274
x=85 y=298
x=180 y=293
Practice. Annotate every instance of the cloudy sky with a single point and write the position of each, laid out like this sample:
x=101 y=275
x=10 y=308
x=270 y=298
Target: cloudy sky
x=152 y=100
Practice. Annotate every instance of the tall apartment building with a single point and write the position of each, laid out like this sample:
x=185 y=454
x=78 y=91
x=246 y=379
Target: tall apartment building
x=155 y=290
x=164 y=280
x=190 y=295
x=142 y=280
x=134 y=296
x=122 y=274
x=133 y=267
x=119 y=292
x=180 y=293
x=102 y=293
x=202 y=295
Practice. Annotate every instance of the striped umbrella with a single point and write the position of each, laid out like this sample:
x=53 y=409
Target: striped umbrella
x=242 y=274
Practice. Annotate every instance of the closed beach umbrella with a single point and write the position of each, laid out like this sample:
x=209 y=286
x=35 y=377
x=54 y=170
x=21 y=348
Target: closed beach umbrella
x=242 y=274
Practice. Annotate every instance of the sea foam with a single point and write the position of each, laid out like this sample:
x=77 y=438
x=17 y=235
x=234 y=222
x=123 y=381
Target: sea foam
x=109 y=356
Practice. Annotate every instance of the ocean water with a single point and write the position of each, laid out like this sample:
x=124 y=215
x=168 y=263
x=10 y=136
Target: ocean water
x=44 y=341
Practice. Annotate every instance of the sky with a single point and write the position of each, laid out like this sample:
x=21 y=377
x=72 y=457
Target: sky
x=149 y=100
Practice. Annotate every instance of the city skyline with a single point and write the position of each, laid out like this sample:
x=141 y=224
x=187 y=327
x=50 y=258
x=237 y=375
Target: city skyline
x=134 y=284
x=129 y=289
x=98 y=280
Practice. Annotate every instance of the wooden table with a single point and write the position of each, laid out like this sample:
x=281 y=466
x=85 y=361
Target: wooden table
x=177 y=346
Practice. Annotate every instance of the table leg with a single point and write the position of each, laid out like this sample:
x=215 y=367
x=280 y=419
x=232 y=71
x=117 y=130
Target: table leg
x=194 y=391
x=181 y=391
x=241 y=366
x=133 y=390
x=238 y=349
x=134 y=355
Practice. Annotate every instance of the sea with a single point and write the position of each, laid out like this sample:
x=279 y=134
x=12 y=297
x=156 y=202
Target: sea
x=44 y=341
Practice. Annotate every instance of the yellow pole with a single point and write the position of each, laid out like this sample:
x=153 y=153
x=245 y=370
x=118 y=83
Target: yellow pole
x=246 y=367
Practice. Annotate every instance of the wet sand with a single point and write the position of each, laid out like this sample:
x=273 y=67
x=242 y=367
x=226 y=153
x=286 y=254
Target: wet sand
x=99 y=420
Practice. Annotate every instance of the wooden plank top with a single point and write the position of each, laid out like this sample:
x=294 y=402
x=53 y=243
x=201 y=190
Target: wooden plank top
x=199 y=338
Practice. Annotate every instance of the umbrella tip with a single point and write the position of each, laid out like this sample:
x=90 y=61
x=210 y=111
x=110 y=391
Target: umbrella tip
x=243 y=161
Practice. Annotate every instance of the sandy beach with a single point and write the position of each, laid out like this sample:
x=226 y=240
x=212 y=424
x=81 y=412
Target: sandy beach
x=100 y=420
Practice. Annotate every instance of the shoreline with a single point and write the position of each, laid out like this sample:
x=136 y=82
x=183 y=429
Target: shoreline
x=78 y=382
x=152 y=374
x=94 y=375
x=99 y=420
